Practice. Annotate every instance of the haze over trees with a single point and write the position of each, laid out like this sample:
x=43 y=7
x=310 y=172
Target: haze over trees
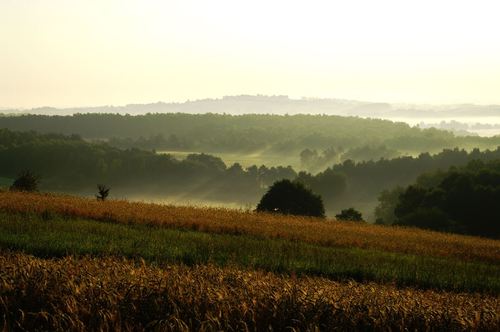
x=355 y=138
x=283 y=105
x=71 y=164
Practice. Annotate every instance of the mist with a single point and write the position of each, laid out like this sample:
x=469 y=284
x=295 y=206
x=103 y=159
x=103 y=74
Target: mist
x=482 y=120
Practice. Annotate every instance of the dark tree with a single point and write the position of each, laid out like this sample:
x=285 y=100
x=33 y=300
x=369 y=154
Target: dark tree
x=349 y=214
x=103 y=192
x=289 y=197
x=26 y=181
x=461 y=200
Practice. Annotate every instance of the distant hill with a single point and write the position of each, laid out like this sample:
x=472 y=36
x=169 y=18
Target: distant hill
x=259 y=104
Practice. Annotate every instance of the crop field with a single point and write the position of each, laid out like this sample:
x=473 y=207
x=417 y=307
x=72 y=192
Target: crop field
x=52 y=236
x=226 y=221
x=110 y=294
x=76 y=264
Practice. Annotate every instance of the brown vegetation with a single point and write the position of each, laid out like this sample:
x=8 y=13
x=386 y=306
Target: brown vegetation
x=110 y=294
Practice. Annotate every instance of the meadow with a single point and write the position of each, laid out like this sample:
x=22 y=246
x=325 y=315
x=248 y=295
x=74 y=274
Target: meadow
x=72 y=263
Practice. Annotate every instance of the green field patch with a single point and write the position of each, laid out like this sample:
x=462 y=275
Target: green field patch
x=245 y=159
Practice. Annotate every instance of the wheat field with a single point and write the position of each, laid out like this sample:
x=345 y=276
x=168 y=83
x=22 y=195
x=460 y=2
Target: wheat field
x=113 y=294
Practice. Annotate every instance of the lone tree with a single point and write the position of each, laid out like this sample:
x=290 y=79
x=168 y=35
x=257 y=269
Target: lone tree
x=25 y=181
x=349 y=214
x=103 y=192
x=287 y=197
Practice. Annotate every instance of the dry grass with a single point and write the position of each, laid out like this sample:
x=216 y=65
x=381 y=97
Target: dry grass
x=109 y=294
x=216 y=220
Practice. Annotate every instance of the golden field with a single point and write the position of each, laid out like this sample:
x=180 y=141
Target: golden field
x=113 y=294
x=217 y=220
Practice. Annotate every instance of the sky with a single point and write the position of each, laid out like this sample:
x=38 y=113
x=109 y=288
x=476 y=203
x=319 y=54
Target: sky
x=67 y=53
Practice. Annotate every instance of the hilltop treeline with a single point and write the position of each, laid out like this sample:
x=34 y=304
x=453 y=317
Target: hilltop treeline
x=369 y=177
x=69 y=163
x=244 y=133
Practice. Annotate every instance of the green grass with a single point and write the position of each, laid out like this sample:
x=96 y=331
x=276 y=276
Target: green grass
x=54 y=236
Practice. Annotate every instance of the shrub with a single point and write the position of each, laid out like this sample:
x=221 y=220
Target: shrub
x=103 y=192
x=349 y=214
x=287 y=197
x=26 y=181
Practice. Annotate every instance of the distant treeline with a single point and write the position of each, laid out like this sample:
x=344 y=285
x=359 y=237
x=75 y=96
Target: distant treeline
x=247 y=133
x=69 y=163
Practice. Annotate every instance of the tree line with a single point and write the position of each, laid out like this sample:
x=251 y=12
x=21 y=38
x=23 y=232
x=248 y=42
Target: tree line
x=70 y=163
x=277 y=134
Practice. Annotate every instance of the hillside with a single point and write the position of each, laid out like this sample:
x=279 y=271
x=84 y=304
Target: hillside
x=308 y=272
x=259 y=104
x=229 y=221
x=273 y=134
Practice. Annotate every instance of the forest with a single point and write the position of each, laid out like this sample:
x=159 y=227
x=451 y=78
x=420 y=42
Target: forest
x=460 y=200
x=72 y=164
x=277 y=134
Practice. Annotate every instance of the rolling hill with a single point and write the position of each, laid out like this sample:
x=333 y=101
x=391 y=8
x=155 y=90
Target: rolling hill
x=194 y=268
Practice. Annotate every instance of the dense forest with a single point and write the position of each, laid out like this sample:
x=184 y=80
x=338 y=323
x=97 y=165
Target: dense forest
x=351 y=137
x=462 y=200
x=70 y=163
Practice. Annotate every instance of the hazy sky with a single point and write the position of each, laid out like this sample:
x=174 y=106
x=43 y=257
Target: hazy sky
x=101 y=52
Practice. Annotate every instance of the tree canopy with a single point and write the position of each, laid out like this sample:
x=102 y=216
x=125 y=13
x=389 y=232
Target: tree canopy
x=462 y=200
x=289 y=197
x=358 y=138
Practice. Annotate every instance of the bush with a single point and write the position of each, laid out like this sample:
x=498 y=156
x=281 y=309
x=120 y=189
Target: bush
x=25 y=181
x=103 y=192
x=349 y=214
x=294 y=198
